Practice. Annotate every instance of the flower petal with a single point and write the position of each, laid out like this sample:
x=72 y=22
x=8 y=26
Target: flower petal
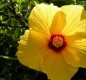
x=75 y=57
x=56 y=67
x=41 y=16
x=71 y=57
x=76 y=19
x=75 y=53
x=32 y=45
x=59 y=22
x=77 y=36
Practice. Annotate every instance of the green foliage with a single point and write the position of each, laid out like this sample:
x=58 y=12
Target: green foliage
x=82 y=2
x=13 y=22
x=2 y=5
x=62 y=2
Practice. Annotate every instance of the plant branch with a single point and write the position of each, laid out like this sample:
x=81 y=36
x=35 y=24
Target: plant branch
x=7 y=57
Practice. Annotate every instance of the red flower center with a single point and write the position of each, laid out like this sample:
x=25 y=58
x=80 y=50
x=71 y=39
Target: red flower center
x=57 y=42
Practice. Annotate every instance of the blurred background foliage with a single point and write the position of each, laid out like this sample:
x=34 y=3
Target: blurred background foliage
x=13 y=22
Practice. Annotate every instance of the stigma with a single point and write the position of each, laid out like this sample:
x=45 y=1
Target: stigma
x=57 y=42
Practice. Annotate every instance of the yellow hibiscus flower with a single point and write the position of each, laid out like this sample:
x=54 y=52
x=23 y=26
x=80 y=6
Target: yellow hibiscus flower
x=56 y=40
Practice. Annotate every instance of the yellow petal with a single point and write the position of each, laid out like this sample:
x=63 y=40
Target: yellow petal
x=59 y=22
x=80 y=46
x=77 y=36
x=76 y=19
x=71 y=57
x=56 y=67
x=75 y=53
x=41 y=16
x=31 y=46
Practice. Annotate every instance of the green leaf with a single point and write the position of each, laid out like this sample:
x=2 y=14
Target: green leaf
x=69 y=1
x=0 y=18
x=3 y=5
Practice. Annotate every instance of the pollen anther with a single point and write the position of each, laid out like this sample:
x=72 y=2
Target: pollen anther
x=57 y=41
